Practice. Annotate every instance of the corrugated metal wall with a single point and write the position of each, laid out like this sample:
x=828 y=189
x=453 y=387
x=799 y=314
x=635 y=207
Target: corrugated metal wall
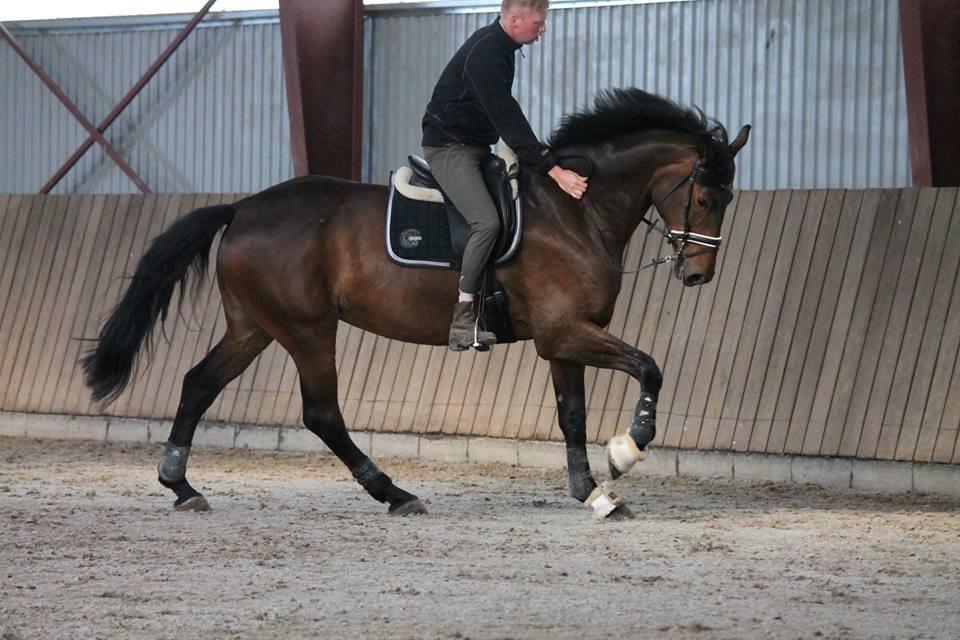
x=832 y=328
x=213 y=119
x=820 y=80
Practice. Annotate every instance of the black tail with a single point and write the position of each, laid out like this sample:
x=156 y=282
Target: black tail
x=166 y=264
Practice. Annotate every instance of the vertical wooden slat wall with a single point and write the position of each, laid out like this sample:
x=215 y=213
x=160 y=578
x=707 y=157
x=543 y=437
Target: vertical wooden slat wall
x=832 y=328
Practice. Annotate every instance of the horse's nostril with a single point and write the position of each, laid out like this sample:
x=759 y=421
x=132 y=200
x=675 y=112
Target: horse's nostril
x=694 y=279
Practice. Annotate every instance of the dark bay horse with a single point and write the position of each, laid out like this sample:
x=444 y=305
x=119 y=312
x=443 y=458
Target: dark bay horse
x=302 y=255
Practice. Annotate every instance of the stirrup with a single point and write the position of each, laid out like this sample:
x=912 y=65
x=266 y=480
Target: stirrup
x=479 y=346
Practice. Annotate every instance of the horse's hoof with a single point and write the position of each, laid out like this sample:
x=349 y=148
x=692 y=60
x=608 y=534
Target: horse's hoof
x=196 y=503
x=622 y=512
x=409 y=508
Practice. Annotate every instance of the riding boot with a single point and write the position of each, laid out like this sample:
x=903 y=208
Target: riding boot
x=464 y=331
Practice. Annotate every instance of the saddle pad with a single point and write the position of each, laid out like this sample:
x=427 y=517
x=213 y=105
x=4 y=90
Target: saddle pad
x=418 y=227
x=417 y=232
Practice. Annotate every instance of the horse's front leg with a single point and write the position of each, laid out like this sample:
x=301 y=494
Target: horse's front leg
x=584 y=343
x=572 y=414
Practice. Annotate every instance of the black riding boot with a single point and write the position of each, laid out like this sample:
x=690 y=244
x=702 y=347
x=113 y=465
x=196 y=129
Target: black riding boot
x=464 y=331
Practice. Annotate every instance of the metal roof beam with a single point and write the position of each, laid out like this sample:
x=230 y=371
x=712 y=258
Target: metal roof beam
x=323 y=70
x=931 y=73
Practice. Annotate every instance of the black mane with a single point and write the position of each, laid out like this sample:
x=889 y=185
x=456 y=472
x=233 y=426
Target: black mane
x=619 y=112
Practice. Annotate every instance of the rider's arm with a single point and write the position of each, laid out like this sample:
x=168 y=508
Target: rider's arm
x=489 y=77
x=487 y=72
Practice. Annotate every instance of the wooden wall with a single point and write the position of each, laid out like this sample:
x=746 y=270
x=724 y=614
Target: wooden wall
x=832 y=328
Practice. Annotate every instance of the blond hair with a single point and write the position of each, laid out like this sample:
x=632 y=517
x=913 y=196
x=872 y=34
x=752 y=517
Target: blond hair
x=509 y=6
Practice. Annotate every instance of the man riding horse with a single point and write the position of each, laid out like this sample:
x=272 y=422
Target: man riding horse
x=297 y=260
x=471 y=108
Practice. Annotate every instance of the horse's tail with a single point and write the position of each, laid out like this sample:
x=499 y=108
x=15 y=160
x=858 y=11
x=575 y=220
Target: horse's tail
x=167 y=263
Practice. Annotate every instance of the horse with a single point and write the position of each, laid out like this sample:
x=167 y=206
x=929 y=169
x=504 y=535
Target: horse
x=298 y=257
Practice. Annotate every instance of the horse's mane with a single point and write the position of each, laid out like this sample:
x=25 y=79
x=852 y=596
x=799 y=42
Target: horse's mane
x=619 y=112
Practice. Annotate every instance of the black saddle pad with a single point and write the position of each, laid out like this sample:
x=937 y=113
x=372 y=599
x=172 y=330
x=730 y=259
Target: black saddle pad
x=418 y=233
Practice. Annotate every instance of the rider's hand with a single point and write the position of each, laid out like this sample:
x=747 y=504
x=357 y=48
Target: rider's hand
x=570 y=181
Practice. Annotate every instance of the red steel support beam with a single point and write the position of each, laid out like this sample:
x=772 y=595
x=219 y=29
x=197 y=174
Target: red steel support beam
x=127 y=99
x=323 y=68
x=931 y=67
x=95 y=135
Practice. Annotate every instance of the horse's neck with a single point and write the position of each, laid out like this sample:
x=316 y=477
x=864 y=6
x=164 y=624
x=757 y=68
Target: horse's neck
x=618 y=194
x=623 y=187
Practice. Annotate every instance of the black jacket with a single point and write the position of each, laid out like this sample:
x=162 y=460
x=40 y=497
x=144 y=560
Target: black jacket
x=473 y=104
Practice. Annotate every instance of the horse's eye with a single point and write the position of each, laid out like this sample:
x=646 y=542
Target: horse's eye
x=703 y=202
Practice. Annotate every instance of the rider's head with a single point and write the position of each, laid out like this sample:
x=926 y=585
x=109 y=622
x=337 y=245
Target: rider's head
x=524 y=20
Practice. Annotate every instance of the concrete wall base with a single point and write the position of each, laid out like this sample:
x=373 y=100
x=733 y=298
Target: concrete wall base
x=834 y=473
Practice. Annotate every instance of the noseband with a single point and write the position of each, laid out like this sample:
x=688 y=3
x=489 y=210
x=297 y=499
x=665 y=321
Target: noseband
x=686 y=236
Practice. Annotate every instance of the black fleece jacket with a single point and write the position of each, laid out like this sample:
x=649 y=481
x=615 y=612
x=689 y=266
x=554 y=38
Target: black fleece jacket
x=473 y=104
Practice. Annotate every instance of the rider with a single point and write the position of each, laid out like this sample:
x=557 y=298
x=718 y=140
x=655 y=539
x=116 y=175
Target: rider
x=471 y=108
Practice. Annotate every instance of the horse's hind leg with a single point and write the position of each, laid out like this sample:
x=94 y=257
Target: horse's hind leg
x=201 y=386
x=321 y=415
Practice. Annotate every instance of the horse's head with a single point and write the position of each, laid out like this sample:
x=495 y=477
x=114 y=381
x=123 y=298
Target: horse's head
x=641 y=148
x=691 y=197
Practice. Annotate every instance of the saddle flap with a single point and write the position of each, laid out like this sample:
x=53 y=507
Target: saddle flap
x=498 y=184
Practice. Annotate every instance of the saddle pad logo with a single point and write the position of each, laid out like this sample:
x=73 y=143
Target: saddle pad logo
x=410 y=238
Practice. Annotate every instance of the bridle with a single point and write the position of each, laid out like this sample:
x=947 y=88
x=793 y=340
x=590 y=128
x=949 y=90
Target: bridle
x=686 y=236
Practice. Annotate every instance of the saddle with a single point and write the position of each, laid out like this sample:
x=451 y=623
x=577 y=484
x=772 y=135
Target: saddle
x=425 y=229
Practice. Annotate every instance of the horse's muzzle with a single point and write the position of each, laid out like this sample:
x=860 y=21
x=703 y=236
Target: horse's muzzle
x=691 y=275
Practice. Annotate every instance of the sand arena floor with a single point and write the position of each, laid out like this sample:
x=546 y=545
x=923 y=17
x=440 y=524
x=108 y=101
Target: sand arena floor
x=90 y=547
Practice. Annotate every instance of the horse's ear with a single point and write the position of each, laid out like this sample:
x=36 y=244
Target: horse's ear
x=740 y=140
